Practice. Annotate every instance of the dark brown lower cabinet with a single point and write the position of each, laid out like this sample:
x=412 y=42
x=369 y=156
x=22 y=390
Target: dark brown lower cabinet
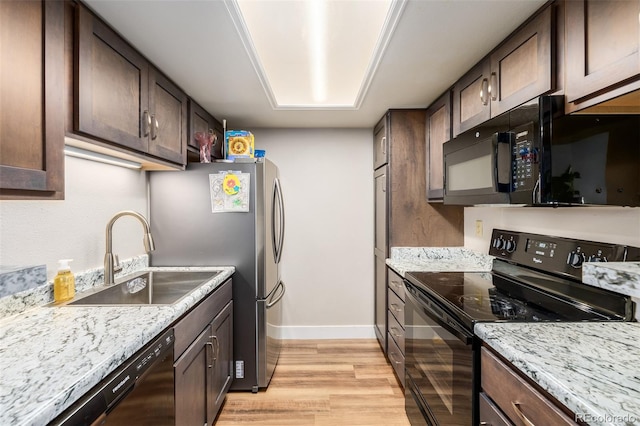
x=506 y=394
x=204 y=370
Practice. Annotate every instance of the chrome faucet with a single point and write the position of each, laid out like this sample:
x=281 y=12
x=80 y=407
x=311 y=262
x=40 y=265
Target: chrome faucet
x=111 y=263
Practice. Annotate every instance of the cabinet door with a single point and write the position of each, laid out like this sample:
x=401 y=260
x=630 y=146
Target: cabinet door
x=380 y=143
x=222 y=371
x=438 y=131
x=471 y=104
x=380 y=301
x=381 y=202
x=201 y=121
x=112 y=87
x=31 y=99
x=602 y=46
x=521 y=68
x=191 y=373
x=168 y=114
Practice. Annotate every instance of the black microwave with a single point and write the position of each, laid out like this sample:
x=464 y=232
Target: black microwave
x=537 y=155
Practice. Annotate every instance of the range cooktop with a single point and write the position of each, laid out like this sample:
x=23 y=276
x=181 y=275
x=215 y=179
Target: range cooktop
x=534 y=278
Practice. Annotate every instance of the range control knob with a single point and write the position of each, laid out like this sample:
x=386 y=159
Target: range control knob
x=575 y=259
x=499 y=243
x=598 y=257
x=510 y=246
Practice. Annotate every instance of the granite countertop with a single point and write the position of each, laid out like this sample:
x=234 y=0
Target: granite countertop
x=438 y=259
x=591 y=368
x=51 y=355
x=621 y=277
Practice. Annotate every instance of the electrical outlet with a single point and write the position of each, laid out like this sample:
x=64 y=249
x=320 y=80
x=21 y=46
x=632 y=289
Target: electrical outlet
x=478 y=228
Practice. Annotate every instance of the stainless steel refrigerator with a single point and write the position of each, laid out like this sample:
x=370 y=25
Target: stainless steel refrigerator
x=187 y=232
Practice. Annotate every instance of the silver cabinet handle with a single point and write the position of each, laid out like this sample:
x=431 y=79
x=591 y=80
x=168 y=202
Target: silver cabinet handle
x=210 y=345
x=484 y=91
x=396 y=308
x=217 y=349
x=525 y=420
x=146 y=118
x=154 y=129
x=396 y=285
x=383 y=143
x=493 y=86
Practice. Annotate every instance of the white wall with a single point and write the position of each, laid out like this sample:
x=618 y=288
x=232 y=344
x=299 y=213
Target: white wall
x=41 y=232
x=619 y=225
x=327 y=262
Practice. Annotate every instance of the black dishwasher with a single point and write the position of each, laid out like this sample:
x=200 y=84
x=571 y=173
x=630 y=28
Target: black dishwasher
x=139 y=392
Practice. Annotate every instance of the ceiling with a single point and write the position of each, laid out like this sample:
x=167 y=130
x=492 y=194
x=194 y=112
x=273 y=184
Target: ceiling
x=197 y=45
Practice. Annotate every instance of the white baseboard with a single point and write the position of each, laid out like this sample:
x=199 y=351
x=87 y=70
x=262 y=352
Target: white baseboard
x=327 y=332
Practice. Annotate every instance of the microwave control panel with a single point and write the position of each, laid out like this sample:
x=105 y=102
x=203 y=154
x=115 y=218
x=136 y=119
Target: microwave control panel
x=524 y=173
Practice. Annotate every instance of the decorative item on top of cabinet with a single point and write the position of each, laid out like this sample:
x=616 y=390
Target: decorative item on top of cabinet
x=201 y=121
x=31 y=105
x=522 y=403
x=404 y=218
x=602 y=57
x=518 y=70
x=121 y=98
x=203 y=354
x=438 y=131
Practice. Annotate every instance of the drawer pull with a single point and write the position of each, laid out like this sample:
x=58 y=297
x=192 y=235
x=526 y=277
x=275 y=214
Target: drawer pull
x=516 y=408
x=392 y=358
x=396 y=308
x=394 y=332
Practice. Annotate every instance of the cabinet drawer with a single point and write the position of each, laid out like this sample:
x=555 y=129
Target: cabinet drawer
x=490 y=414
x=515 y=396
x=396 y=306
x=199 y=317
x=396 y=332
x=395 y=283
x=396 y=358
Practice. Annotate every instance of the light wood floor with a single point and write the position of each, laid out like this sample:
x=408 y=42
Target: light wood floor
x=323 y=382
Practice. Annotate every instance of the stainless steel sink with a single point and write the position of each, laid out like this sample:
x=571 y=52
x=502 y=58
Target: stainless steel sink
x=147 y=288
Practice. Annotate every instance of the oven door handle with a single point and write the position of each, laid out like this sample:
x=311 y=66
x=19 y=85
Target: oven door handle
x=441 y=318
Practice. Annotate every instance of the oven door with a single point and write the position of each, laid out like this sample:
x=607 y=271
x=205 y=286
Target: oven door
x=439 y=364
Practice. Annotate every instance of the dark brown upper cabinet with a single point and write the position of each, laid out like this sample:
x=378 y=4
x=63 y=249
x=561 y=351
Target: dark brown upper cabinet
x=523 y=67
x=471 y=104
x=518 y=70
x=438 y=131
x=31 y=104
x=201 y=121
x=121 y=98
x=602 y=57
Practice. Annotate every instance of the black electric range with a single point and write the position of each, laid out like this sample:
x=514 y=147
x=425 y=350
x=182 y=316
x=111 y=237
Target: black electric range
x=534 y=278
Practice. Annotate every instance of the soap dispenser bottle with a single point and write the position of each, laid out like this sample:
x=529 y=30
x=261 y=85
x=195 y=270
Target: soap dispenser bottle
x=64 y=283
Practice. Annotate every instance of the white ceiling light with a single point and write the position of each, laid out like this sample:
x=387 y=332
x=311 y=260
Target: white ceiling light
x=315 y=53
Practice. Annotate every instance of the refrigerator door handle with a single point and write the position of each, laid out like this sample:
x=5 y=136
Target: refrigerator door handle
x=276 y=299
x=278 y=205
x=281 y=208
x=274 y=239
